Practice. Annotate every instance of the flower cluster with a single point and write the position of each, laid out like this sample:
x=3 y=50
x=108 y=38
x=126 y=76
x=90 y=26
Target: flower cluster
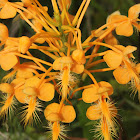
x=59 y=38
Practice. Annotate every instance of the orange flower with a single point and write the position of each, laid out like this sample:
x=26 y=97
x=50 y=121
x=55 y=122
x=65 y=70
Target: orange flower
x=96 y=111
x=62 y=35
x=107 y=35
x=56 y=113
x=20 y=44
x=7 y=57
x=28 y=91
x=115 y=59
x=94 y=93
x=123 y=23
x=106 y=112
x=66 y=64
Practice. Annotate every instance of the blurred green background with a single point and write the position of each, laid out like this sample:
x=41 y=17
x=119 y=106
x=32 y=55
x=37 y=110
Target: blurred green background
x=80 y=129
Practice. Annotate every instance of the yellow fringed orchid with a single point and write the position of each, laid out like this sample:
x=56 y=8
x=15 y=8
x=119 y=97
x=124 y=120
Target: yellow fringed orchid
x=93 y=93
x=56 y=113
x=124 y=23
x=28 y=92
x=60 y=39
x=114 y=59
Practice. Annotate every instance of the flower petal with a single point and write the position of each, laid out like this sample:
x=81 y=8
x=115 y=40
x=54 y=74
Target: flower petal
x=113 y=59
x=8 y=61
x=93 y=112
x=68 y=114
x=129 y=49
x=89 y=95
x=7 y=11
x=122 y=75
x=134 y=11
x=120 y=47
x=17 y=81
x=24 y=44
x=51 y=112
x=77 y=68
x=24 y=73
x=125 y=28
x=46 y=92
x=20 y=96
x=30 y=91
x=116 y=18
x=32 y=82
x=108 y=87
